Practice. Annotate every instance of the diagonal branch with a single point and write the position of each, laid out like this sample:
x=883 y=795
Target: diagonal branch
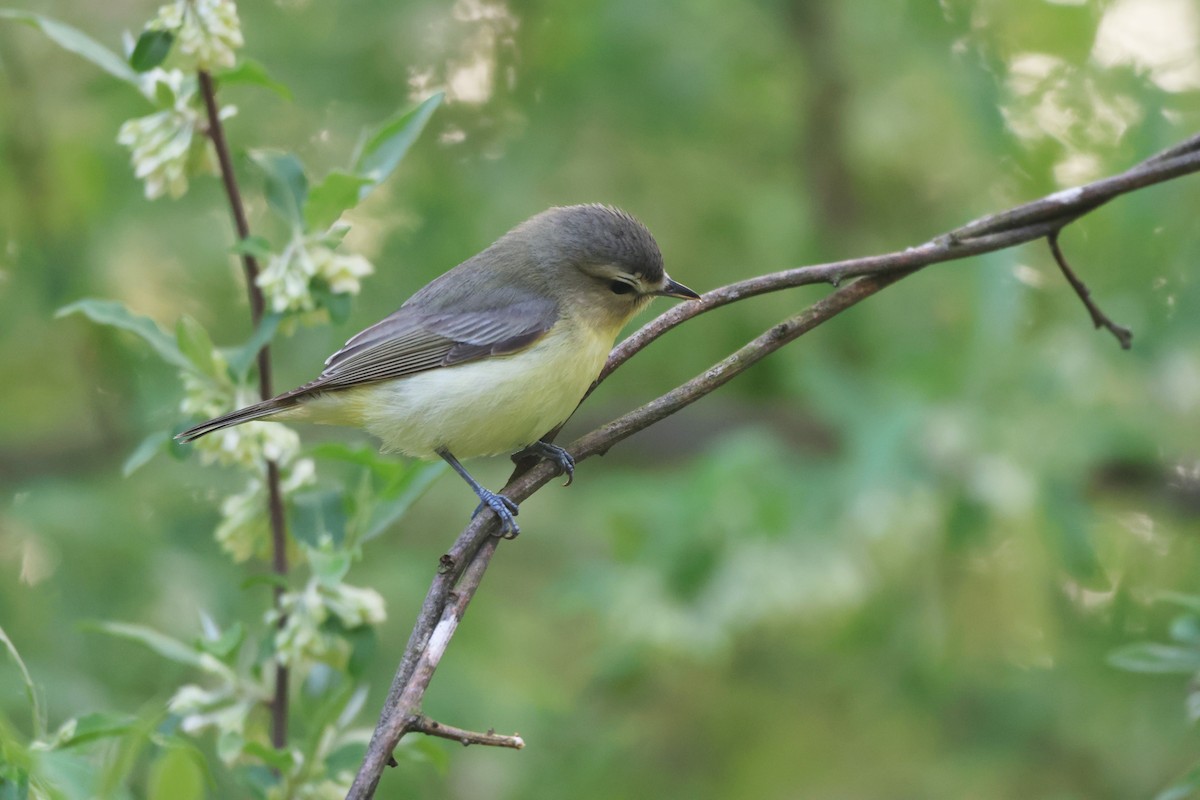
x=462 y=567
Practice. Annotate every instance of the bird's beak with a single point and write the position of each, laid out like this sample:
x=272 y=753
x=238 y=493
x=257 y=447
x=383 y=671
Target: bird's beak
x=674 y=288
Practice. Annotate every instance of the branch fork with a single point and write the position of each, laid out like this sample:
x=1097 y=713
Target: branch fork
x=461 y=569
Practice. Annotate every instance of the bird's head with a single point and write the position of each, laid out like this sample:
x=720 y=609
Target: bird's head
x=601 y=258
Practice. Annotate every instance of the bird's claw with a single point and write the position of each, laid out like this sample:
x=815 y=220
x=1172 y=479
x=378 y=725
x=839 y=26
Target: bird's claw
x=504 y=509
x=554 y=454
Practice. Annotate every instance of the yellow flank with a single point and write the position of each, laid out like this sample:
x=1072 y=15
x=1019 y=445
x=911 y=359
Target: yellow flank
x=480 y=408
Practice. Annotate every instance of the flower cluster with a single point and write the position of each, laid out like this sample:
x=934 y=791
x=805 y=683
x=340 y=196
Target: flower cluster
x=164 y=146
x=209 y=395
x=303 y=637
x=221 y=709
x=288 y=278
x=207 y=32
x=243 y=531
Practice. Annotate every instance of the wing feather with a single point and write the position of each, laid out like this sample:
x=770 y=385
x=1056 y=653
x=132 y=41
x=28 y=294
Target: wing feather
x=412 y=340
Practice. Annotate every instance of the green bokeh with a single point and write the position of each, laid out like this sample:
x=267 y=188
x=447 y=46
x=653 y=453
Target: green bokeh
x=890 y=561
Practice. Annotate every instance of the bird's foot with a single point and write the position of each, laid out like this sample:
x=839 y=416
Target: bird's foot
x=503 y=508
x=553 y=453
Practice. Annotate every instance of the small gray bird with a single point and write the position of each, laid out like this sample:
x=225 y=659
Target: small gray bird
x=492 y=354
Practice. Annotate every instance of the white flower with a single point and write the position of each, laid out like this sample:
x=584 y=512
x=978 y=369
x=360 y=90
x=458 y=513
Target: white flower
x=341 y=271
x=356 y=606
x=164 y=147
x=208 y=395
x=191 y=698
x=284 y=280
x=245 y=445
x=249 y=444
x=302 y=473
x=302 y=638
x=225 y=709
x=287 y=279
x=243 y=530
x=207 y=32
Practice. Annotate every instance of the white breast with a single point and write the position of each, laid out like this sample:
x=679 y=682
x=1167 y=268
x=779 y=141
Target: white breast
x=496 y=405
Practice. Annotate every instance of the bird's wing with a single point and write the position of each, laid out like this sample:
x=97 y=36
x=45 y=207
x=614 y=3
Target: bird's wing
x=414 y=340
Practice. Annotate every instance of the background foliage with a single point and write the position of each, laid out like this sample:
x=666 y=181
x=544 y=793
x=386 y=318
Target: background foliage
x=894 y=560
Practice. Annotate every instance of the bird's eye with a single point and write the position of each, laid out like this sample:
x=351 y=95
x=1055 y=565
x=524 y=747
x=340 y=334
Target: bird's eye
x=620 y=287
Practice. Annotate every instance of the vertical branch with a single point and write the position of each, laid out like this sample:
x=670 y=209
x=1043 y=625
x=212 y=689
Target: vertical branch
x=279 y=563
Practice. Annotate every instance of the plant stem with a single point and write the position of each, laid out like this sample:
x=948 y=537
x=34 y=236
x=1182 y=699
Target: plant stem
x=279 y=562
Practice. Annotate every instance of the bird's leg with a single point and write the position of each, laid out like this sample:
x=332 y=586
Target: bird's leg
x=504 y=508
x=551 y=452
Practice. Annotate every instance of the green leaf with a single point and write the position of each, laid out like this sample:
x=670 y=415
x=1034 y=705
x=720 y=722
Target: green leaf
x=91 y=727
x=286 y=185
x=164 y=94
x=256 y=246
x=226 y=644
x=280 y=760
x=151 y=50
x=1156 y=658
x=145 y=451
x=353 y=705
x=125 y=754
x=252 y=73
x=230 y=744
x=400 y=483
x=388 y=468
x=14 y=778
x=175 y=776
x=165 y=646
x=240 y=358
x=30 y=688
x=195 y=343
x=318 y=515
x=329 y=567
x=116 y=315
x=406 y=492
x=258 y=782
x=362 y=641
x=266 y=579
x=383 y=148
x=77 y=42
x=338 y=305
x=423 y=750
x=335 y=235
x=327 y=200
x=345 y=758
x=326 y=694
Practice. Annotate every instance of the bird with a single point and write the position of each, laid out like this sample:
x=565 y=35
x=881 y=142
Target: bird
x=491 y=355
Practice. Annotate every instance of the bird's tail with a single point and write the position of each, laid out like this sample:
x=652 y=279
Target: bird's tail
x=257 y=411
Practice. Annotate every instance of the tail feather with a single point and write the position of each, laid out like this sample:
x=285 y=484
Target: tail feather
x=257 y=411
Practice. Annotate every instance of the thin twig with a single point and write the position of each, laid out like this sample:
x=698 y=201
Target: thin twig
x=1000 y=231
x=279 y=560
x=419 y=723
x=463 y=566
x=1099 y=318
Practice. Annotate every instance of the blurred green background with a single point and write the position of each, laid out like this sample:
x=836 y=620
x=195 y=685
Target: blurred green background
x=889 y=562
